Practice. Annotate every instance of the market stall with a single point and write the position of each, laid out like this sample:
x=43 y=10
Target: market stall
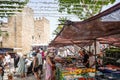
x=84 y=33
x=71 y=67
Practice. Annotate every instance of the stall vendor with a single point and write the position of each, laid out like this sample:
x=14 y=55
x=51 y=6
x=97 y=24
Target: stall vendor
x=85 y=58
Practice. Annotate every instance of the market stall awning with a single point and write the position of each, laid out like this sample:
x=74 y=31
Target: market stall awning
x=59 y=41
x=94 y=27
x=111 y=14
x=90 y=29
x=112 y=40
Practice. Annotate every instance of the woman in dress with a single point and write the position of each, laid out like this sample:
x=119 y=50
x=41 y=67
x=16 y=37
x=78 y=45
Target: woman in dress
x=21 y=67
x=49 y=67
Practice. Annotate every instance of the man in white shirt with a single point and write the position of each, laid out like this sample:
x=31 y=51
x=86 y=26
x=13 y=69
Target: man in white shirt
x=7 y=60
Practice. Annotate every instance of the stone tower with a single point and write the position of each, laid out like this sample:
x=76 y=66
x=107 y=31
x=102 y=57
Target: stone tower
x=41 y=31
x=24 y=31
x=21 y=30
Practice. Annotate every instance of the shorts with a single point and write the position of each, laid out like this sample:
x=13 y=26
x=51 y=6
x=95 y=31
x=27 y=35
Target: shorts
x=36 y=69
x=40 y=67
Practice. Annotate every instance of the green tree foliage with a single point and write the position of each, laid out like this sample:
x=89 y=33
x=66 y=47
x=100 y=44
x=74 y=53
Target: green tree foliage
x=9 y=7
x=83 y=8
x=3 y=33
x=0 y=33
x=60 y=26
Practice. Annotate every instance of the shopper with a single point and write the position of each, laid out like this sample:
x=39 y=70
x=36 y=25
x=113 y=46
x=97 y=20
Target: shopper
x=50 y=67
x=39 y=56
x=43 y=58
x=26 y=66
x=21 y=66
x=35 y=66
x=85 y=59
x=7 y=60
x=16 y=60
x=1 y=67
x=42 y=52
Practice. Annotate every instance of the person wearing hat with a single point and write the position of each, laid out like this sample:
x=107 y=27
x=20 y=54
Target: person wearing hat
x=35 y=66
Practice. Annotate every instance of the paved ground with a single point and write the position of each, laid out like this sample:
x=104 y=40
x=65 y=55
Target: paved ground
x=17 y=77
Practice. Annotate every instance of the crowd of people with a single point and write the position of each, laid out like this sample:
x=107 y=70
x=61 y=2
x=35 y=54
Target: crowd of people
x=41 y=62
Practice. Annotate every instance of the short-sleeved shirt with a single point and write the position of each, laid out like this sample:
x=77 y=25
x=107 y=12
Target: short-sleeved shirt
x=43 y=56
x=39 y=56
x=8 y=58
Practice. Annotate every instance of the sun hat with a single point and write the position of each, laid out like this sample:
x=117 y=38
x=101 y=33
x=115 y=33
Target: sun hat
x=51 y=55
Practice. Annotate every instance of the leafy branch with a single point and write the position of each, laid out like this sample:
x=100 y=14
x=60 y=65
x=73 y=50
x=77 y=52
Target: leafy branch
x=82 y=8
x=8 y=8
x=60 y=26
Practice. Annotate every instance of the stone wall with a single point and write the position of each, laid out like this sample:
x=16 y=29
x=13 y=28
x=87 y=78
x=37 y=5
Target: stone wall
x=24 y=31
x=46 y=31
x=14 y=31
x=27 y=30
x=38 y=31
x=20 y=30
x=42 y=31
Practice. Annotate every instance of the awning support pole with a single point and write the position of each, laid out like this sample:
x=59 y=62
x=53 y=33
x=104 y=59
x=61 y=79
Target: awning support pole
x=95 y=55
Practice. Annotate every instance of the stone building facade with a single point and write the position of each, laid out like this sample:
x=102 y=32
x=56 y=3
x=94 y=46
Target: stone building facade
x=42 y=31
x=24 y=31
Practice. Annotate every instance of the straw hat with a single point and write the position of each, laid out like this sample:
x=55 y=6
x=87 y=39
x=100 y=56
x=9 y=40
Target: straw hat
x=50 y=55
